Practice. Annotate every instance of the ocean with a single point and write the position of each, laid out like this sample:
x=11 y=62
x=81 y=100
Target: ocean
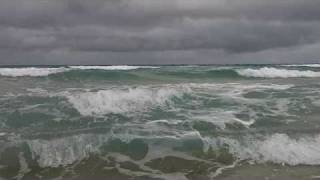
x=160 y=122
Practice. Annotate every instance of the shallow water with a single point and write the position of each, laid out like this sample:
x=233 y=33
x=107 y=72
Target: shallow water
x=165 y=122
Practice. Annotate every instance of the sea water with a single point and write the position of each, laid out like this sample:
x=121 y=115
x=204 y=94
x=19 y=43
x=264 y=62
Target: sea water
x=160 y=122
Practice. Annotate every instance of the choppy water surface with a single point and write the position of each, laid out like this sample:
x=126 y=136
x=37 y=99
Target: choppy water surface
x=160 y=122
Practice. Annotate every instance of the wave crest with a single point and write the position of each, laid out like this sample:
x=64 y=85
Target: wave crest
x=123 y=67
x=265 y=72
x=268 y=72
x=30 y=71
x=279 y=148
x=41 y=71
x=303 y=65
x=120 y=101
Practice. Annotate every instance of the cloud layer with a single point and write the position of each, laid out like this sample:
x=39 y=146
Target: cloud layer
x=156 y=32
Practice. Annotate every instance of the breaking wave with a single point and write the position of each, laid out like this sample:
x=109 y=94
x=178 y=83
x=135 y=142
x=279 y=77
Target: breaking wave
x=120 y=101
x=124 y=67
x=303 y=65
x=41 y=71
x=31 y=71
x=65 y=151
x=276 y=148
x=279 y=148
x=268 y=72
x=114 y=72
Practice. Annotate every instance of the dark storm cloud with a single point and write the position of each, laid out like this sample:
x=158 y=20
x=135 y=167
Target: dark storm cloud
x=230 y=36
x=142 y=30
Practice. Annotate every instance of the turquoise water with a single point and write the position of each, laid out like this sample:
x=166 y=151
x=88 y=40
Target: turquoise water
x=160 y=122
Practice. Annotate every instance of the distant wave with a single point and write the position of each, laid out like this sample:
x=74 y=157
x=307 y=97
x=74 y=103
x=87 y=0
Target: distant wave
x=269 y=72
x=103 y=72
x=302 y=65
x=40 y=71
x=31 y=71
x=124 y=67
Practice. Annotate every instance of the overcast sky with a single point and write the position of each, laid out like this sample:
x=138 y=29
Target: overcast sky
x=159 y=31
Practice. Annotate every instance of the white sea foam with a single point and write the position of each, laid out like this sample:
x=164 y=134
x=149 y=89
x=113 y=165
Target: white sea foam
x=302 y=65
x=276 y=148
x=279 y=148
x=64 y=151
x=239 y=87
x=221 y=118
x=268 y=72
x=67 y=150
x=41 y=71
x=30 y=71
x=24 y=169
x=143 y=98
x=123 y=67
x=120 y=101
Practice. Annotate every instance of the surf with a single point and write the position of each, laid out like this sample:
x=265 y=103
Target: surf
x=270 y=72
x=140 y=73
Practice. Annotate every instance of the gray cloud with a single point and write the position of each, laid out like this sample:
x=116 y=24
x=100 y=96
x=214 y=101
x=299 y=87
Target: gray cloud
x=144 y=31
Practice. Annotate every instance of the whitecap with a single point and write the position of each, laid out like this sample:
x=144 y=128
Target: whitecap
x=302 y=65
x=120 y=100
x=123 y=67
x=30 y=71
x=278 y=148
x=268 y=72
